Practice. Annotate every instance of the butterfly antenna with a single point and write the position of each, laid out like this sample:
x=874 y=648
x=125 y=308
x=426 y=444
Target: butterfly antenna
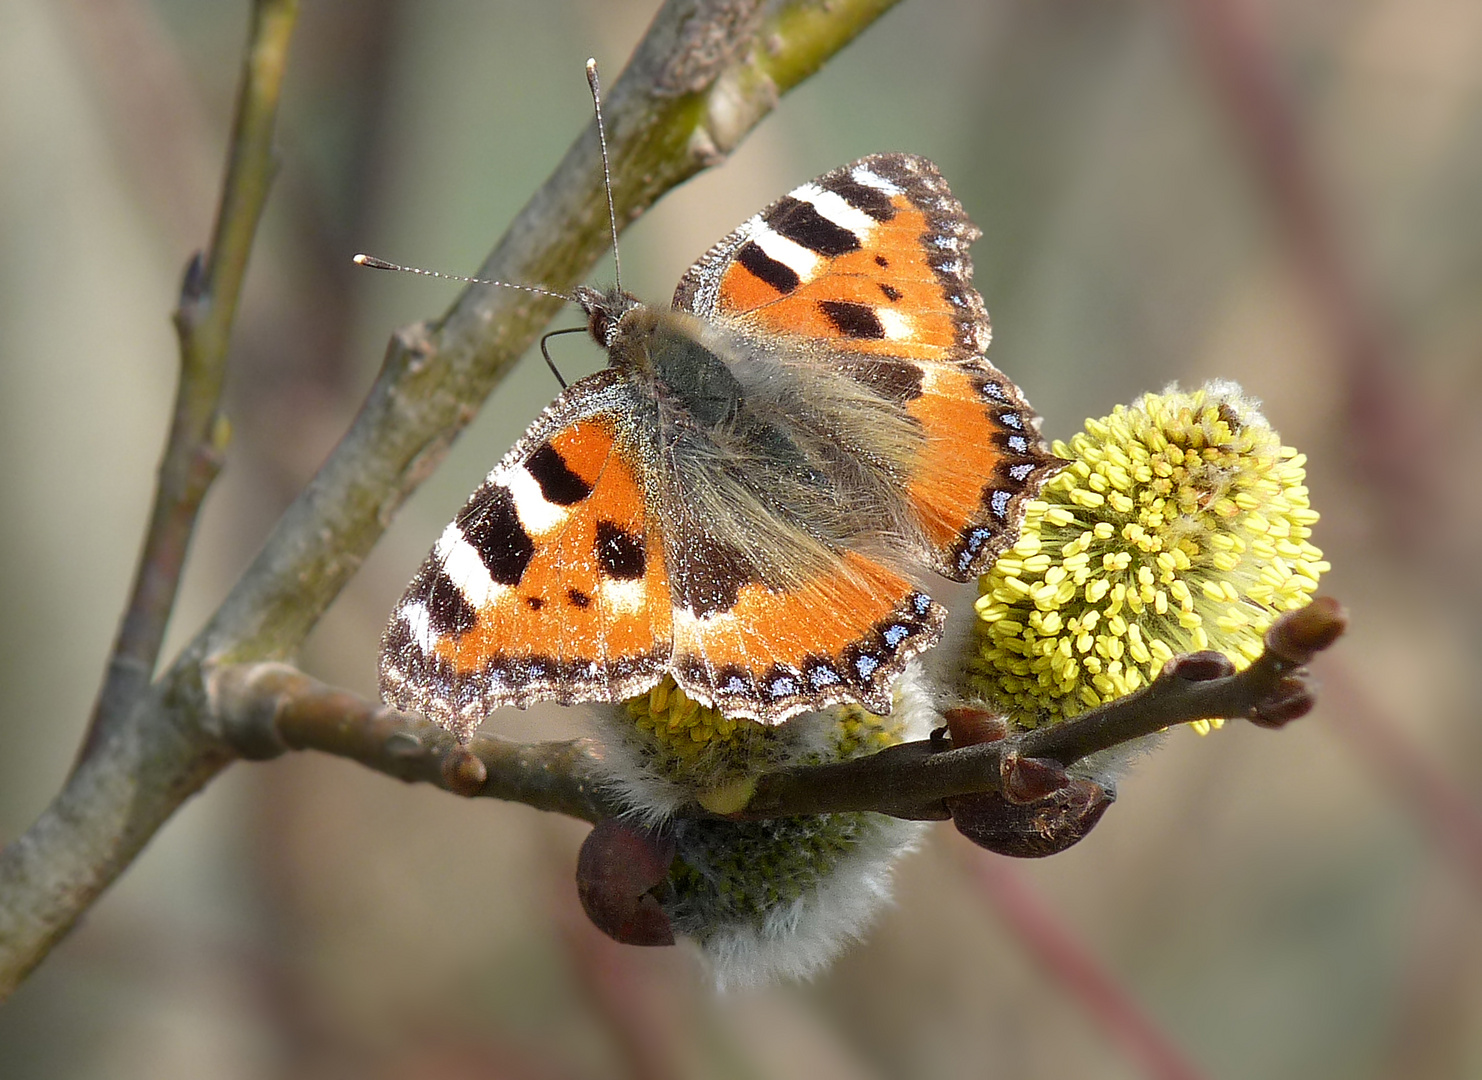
x=381 y=264
x=617 y=266
x=548 y=361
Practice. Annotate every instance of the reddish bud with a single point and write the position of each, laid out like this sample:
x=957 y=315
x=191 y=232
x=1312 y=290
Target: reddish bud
x=463 y=772
x=617 y=871
x=1200 y=666
x=1031 y=830
x=1027 y=780
x=969 y=726
x=1297 y=636
x=1290 y=700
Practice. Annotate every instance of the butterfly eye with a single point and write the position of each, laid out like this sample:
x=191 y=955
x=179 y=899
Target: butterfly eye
x=603 y=325
x=604 y=311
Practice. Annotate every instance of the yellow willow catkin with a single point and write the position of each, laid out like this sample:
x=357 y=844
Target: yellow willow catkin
x=1181 y=524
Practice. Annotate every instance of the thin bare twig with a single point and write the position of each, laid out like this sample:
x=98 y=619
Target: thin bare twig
x=203 y=322
x=704 y=74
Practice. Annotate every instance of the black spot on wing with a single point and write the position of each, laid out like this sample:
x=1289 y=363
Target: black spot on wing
x=782 y=682
x=490 y=523
x=557 y=482
x=706 y=576
x=578 y=599
x=821 y=673
x=861 y=196
x=619 y=552
x=778 y=275
x=870 y=664
x=894 y=380
x=989 y=390
x=448 y=610
x=971 y=546
x=802 y=224
x=891 y=292
x=851 y=319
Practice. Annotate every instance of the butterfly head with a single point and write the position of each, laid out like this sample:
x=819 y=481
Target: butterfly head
x=604 y=310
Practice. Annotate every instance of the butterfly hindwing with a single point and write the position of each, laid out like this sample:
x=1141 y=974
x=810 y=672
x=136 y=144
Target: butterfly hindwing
x=838 y=636
x=869 y=264
x=550 y=583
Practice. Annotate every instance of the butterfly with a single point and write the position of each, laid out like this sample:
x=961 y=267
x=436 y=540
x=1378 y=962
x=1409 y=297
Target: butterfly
x=746 y=498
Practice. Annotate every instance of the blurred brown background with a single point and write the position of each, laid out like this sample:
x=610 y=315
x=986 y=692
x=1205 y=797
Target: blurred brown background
x=1282 y=905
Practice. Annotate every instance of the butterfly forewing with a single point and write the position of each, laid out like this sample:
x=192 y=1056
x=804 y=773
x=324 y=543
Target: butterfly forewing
x=550 y=583
x=872 y=255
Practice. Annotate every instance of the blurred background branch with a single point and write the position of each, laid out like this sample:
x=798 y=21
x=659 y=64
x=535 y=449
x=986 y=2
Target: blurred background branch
x=1085 y=980
x=1446 y=810
x=1400 y=436
x=136 y=765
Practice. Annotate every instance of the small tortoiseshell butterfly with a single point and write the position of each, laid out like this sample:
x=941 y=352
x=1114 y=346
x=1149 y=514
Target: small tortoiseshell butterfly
x=744 y=497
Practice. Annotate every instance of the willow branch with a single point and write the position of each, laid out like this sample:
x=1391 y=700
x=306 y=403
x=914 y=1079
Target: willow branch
x=704 y=74
x=206 y=309
x=267 y=709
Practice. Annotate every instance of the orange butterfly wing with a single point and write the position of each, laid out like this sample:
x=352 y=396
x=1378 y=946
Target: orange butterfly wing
x=840 y=630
